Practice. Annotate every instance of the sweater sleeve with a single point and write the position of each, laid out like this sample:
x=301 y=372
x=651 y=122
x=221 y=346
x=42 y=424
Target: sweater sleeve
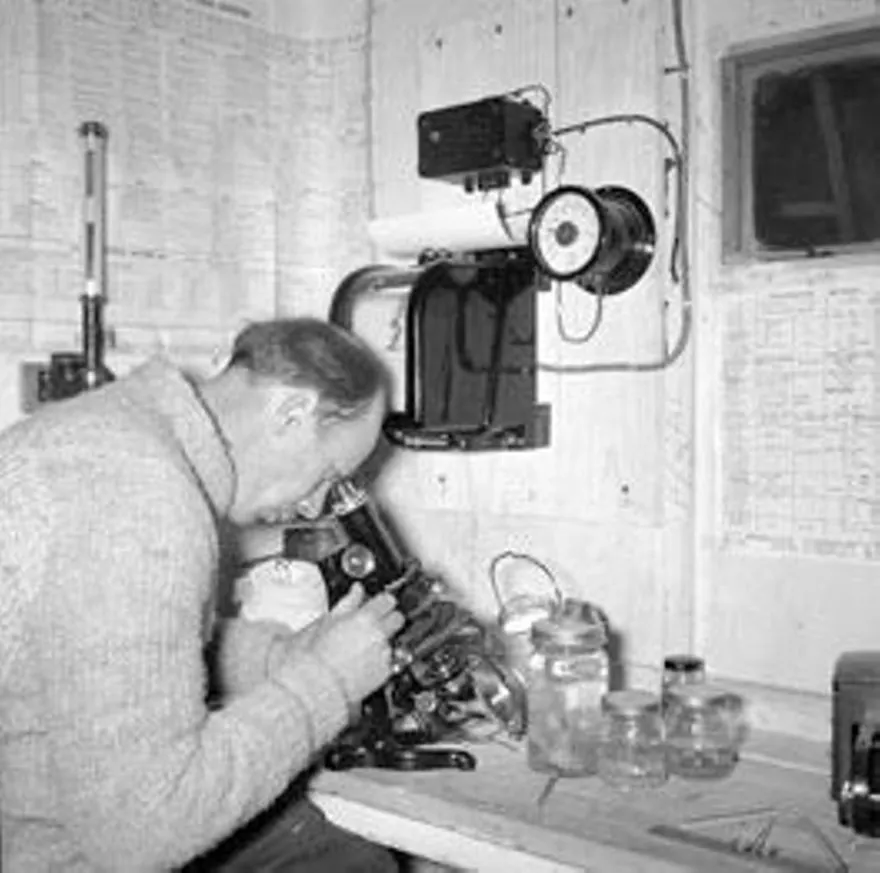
x=24 y=507
x=243 y=652
x=147 y=778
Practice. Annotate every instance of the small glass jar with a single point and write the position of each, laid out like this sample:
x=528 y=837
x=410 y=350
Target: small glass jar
x=632 y=751
x=701 y=738
x=568 y=677
x=683 y=670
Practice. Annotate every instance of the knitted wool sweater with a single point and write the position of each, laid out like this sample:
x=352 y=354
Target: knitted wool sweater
x=109 y=759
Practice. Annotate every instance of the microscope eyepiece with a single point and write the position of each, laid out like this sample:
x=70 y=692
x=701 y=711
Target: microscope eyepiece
x=345 y=496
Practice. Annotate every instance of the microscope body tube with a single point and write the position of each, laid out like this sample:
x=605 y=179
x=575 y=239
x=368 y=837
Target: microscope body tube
x=360 y=520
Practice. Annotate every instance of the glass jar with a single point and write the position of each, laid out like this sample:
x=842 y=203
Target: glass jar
x=683 y=670
x=517 y=620
x=632 y=752
x=568 y=677
x=701 y=738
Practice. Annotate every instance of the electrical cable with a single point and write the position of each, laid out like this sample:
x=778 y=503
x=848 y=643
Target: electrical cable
x=679 y=267
x=596 y=323
x=678 y=252
x=543 y=134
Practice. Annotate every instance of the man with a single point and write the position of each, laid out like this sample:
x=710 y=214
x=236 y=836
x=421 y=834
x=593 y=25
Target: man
x=109 y=505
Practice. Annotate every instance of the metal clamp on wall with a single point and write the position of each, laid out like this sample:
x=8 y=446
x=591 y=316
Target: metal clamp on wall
x=469 y=342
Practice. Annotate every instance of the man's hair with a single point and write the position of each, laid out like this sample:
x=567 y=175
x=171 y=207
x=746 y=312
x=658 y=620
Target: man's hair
x=315 y=354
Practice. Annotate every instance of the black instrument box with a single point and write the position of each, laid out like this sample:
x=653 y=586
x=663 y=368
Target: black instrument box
x=481 y=144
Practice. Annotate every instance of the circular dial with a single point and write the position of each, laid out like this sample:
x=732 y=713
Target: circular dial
x=358 y=561
x=565 y=231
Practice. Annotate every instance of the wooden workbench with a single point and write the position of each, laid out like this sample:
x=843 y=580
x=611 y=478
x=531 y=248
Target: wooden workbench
x=490 y=819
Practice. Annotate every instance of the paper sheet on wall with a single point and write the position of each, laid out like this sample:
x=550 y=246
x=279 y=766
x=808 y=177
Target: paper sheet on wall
x=801 y=432
x=236 y=158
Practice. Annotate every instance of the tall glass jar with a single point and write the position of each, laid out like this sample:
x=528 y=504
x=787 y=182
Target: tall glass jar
x=701 y=738
x=568 y=677
x=632 y=753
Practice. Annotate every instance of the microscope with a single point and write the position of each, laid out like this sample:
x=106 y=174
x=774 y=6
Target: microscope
x=448 y=668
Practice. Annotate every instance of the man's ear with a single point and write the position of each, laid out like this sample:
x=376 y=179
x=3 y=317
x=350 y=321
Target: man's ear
x=292 y=406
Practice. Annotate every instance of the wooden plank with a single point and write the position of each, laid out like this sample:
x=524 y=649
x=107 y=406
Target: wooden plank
x=444 y=845
x=583 y=824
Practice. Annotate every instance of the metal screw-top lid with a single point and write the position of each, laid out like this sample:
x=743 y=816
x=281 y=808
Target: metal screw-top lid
x=631 y=702
x=683 y=663
x=697 y=695
x=568 y=632
x=520 y=614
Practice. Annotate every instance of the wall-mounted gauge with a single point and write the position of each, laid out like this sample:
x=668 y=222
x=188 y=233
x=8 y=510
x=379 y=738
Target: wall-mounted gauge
x=603 y=238
x=565 y=231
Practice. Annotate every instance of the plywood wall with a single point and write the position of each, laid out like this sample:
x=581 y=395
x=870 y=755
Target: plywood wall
x=787 y=506
x=246 y=159
x=651 y=498
x=606 y=506
x=237 y=165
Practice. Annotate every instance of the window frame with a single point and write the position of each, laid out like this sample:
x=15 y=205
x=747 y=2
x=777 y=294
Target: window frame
x=741 y=67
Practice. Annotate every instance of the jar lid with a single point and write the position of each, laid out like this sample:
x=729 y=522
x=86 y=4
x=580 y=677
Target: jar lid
x=683 y=663
x=520 y=614
x=568 y=631
x=631 y=702
x=697 y=694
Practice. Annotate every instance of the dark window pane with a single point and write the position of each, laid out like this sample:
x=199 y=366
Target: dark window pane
x=816 y=154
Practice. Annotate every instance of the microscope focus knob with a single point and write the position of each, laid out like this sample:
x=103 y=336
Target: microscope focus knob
x=357 y=561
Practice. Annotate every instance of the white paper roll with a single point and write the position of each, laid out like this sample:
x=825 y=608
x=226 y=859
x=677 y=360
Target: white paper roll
x=484 y=225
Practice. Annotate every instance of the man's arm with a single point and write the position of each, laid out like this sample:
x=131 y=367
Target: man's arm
x=147 y=778
x=243 y=653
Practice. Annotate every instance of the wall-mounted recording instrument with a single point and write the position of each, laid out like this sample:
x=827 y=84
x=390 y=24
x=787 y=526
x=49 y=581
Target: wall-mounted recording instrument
x=601 y=239
x=467 y=337
x=455 y=303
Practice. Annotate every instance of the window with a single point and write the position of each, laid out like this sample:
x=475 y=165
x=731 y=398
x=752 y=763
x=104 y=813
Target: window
x=801 y=147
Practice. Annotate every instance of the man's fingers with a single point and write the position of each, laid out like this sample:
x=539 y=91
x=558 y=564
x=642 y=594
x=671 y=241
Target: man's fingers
x=391 y=623
x=381 y=605
x=351 y=601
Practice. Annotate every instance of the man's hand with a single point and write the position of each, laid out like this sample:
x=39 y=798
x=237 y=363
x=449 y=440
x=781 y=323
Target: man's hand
x=352 y=640
x=304 y=638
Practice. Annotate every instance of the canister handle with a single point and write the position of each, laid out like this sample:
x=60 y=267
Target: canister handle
x=508 y=554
